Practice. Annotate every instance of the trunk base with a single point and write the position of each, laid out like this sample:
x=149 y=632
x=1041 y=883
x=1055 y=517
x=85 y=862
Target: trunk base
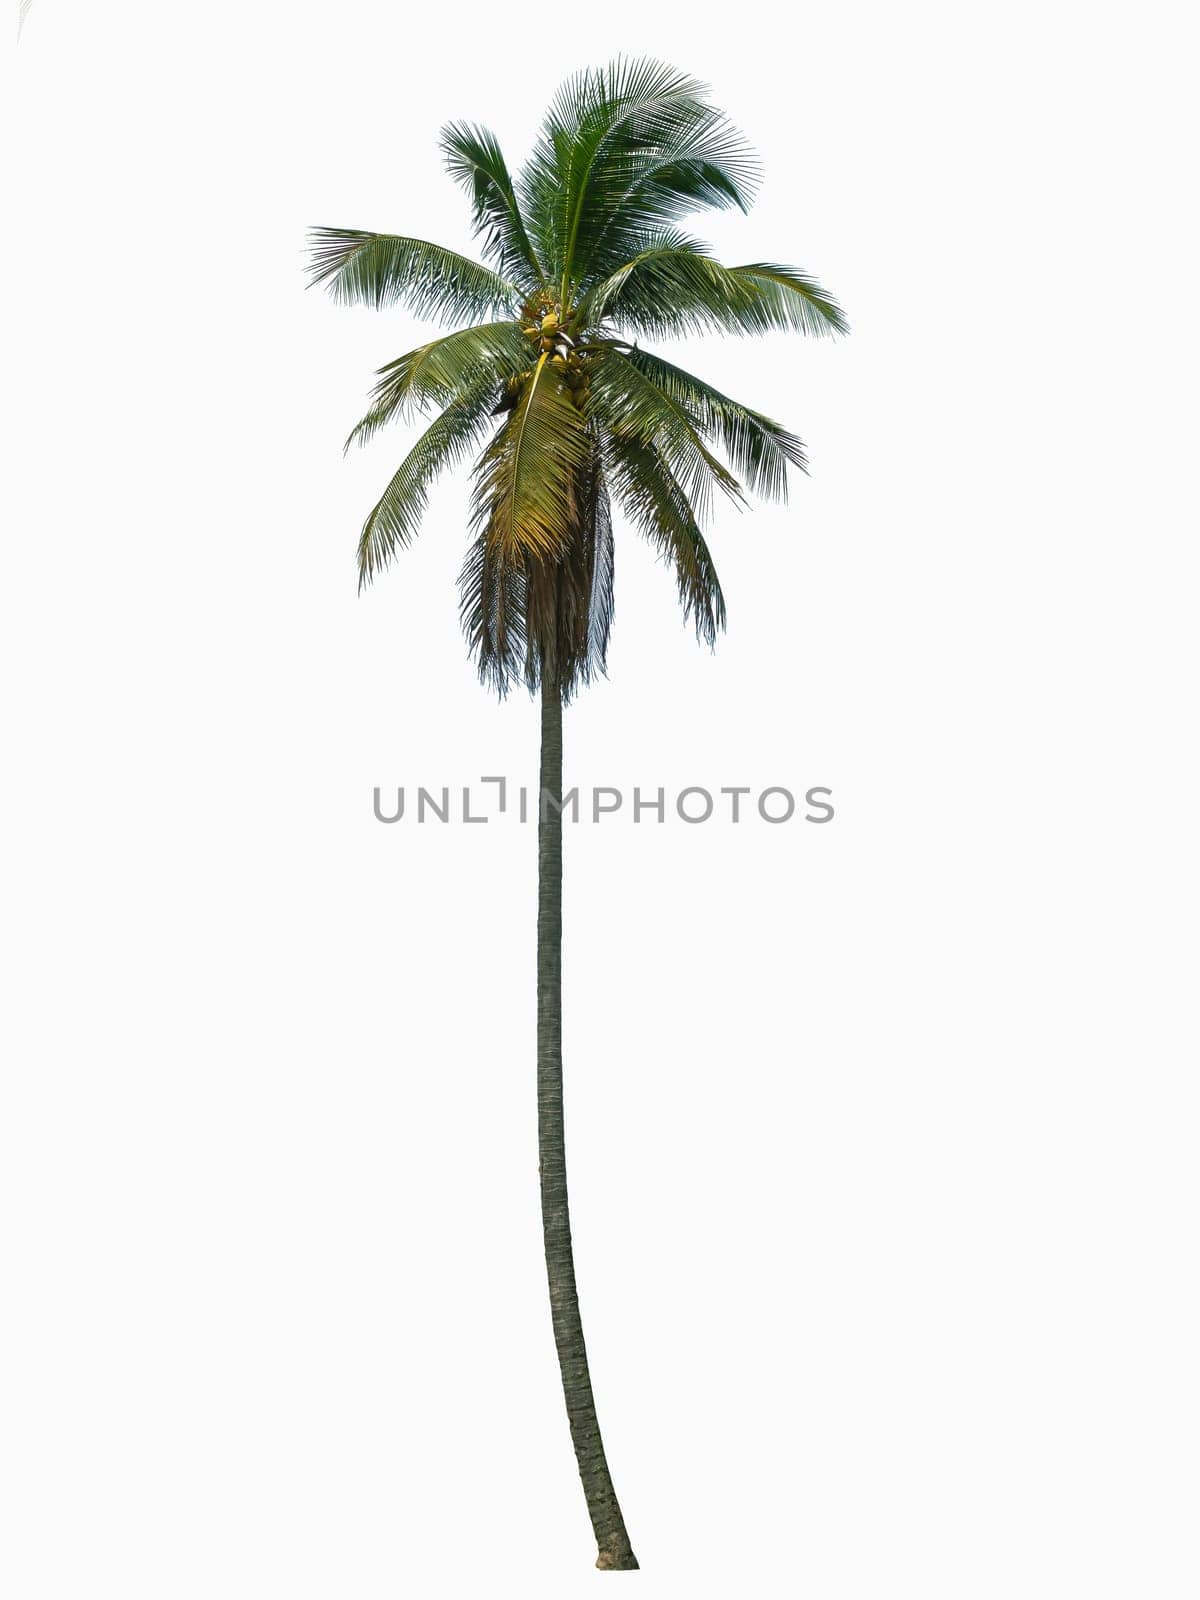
x=617 y=1559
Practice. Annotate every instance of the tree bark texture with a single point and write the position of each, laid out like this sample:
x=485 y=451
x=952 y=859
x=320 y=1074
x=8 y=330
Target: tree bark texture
x=615 y=1552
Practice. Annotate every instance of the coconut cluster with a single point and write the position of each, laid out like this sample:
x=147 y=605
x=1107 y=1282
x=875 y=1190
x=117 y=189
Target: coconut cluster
x=553 y=341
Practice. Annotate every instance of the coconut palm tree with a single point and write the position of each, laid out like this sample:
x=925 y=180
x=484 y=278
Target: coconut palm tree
x=545 y=383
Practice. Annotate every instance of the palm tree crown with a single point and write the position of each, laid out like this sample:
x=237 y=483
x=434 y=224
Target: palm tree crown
x=586 y=257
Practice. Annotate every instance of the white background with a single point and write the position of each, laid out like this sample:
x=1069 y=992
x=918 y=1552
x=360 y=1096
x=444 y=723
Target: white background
x=882 y=1134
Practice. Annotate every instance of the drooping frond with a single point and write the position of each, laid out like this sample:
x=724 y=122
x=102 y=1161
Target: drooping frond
x=624 y=399
x=569 y=607
x=492 y=610
x=434 y=373
x=759 y=449
x=526 y=478
x=655 y=502
x=527 y=616
x=623 y=148
x=673 y=287
x=602 y=597
x=799 y=300
x=395 y=520
x=474 y=159
x=384 y=269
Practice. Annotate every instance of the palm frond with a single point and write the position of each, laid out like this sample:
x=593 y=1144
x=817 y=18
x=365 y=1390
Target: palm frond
x=672 y=287
x=624 y=399
x=436 y=372
x=648 y=249
x=690 y=174
x=525 y=615
x=569 y=605
x=476 y=162
x=526 y=479
x=396 y=519
x=759 y=449
x=624 y=147
x=655 y=502
x=536 y=593
x=602 y=592
x=492 y=602
x=385 y=269
x=799 y=300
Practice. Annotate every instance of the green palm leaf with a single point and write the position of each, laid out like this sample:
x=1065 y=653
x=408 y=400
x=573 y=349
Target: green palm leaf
x=474 y=159
x=435 y=373
x=655 y=502
x=797 y=299
x=396 y=519
x=629 y=146
x=527 y=479
x=624 y=399
x=384 y=269
x=672 y=287
x=759 y=449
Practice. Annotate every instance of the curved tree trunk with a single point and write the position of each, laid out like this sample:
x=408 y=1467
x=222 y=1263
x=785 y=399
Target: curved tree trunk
x=613 y=1541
